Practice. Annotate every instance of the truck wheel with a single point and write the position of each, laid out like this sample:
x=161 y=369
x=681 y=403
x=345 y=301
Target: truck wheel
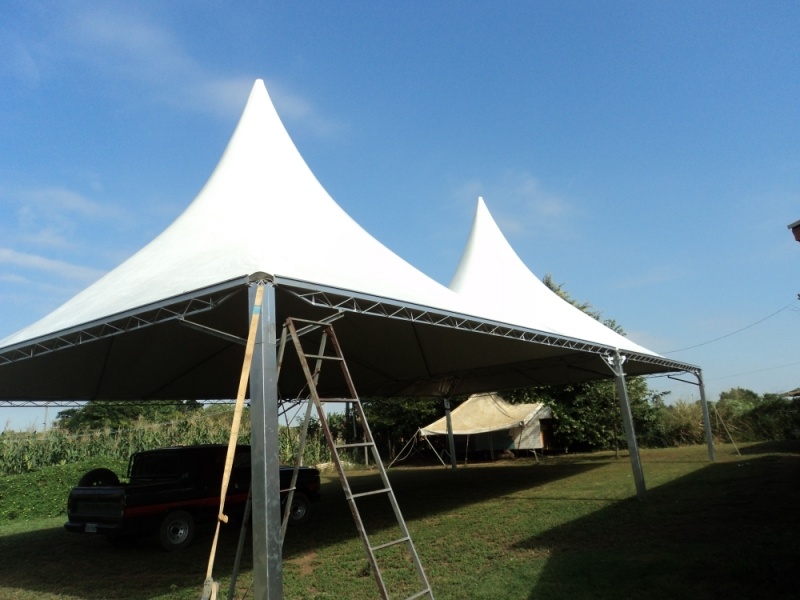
x=176 y=530
x=301 y=509
x=99 y=477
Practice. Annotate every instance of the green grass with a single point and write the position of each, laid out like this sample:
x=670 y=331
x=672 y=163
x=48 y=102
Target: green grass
x=569 y=527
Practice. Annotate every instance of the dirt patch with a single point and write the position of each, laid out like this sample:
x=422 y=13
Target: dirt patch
x=305 y=563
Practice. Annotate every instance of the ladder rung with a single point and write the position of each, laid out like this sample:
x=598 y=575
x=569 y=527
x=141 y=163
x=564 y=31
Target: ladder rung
x=392 y=543
x=372 y=493
x=339 y=400
x=324 y=357
x=425 y=592
x=310 y=322
x=358 y=445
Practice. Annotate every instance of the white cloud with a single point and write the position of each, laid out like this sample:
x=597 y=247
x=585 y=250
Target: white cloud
x=13 y=278
x=121 y=40
x=48 y=266
x=53 y=217
x=521 y=206
x=63 y=200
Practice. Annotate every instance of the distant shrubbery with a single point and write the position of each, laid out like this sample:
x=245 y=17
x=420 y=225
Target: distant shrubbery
x=586 y=418
x=739 y=415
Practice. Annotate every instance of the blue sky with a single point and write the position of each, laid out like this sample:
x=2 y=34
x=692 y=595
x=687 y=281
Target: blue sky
x=646 y=154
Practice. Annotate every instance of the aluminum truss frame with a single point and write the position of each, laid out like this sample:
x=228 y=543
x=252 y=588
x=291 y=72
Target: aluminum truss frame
x=171 y=309
x=343 y=300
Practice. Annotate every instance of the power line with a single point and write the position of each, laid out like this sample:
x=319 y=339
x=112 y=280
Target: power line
x=733 y=332
x=756 y=371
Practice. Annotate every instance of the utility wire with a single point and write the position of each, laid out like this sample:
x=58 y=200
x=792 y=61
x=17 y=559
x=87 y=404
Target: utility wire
x=756 y=371
x=733 y=332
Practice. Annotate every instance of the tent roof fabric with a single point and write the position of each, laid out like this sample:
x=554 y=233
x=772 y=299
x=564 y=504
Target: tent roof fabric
x=493 y=277
x=168 y=322
x=482 y=413
x=262 y=210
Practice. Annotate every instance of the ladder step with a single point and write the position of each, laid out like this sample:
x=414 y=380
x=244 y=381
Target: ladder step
x=324 y=357
x=372 y=493
x=323 y=400
x=392 y=543
x=425 y=592
x=358 y=445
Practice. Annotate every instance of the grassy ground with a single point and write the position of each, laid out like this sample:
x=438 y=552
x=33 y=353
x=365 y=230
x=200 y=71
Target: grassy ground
x=569 y=527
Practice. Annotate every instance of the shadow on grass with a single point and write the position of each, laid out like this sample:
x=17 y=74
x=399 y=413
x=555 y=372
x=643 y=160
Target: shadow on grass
x=779 y=447
x=730 y=530
x=53 y=561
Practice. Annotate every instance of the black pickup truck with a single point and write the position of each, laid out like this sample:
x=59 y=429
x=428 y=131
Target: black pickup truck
x=170 y=491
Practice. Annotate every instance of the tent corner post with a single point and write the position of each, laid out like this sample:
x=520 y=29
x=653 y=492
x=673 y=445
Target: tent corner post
x=706 y=416
x=615 y=363
x=265 y=487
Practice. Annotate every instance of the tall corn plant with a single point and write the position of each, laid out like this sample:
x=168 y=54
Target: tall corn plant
x=24 y=452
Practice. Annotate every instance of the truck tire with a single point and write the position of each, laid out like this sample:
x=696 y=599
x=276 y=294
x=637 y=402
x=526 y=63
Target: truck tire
x=301 y=509
x=176 y=530
x=99 y=477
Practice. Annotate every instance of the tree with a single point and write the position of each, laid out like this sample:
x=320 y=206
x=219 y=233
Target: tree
x=101 y=414
x=587 y=415
x=393 y=421
x=751 y=417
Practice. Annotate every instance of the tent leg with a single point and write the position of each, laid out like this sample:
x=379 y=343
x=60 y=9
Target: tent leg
x=627 y=422
x=450 y=439
x=265 y=486
x=706 y=416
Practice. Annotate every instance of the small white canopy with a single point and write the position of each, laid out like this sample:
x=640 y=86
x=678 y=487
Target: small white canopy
x=483 y=413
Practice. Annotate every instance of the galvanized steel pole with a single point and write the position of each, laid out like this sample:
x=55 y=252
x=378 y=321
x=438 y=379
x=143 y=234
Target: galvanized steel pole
x=627 y=421
x=265 y=486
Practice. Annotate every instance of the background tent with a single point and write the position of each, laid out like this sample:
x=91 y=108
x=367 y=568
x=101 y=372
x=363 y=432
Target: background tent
x=485 y=415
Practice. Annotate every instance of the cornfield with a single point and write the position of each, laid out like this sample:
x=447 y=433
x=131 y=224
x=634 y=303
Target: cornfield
x=30 y=451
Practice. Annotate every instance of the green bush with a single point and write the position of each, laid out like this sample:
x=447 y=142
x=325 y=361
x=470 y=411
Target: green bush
x=44 y=493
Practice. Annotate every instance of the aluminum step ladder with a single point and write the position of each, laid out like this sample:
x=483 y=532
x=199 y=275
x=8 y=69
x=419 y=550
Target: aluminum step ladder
x=328 y=350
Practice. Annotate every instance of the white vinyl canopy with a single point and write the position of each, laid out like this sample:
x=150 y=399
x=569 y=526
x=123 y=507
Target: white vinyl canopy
x=262 y=210
x=169 y=321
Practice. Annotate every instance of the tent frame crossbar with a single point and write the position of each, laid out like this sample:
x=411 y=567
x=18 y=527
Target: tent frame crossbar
x=173 y=309
x=180 y=308
x=342 y=300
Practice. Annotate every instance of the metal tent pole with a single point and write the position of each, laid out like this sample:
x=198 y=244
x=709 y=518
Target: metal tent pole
x=615 y=363
x=706 y=415
x=265 y=485
x=450 y=439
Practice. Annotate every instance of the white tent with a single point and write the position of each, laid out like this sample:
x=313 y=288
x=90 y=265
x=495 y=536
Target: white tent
x=489 y=413
x=170 y=321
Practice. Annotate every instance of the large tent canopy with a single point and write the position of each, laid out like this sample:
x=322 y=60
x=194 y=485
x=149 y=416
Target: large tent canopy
x=169 y=321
